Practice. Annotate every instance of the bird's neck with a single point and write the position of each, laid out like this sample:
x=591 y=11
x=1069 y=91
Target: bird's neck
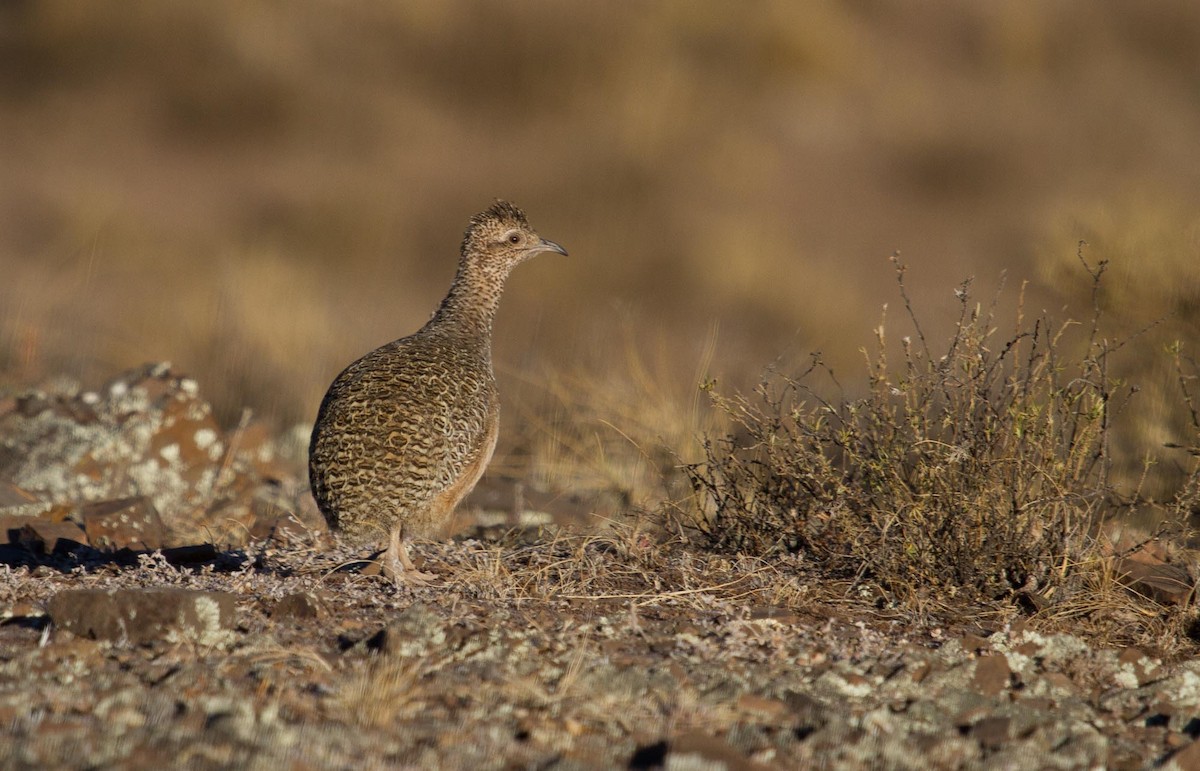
x=470 y=305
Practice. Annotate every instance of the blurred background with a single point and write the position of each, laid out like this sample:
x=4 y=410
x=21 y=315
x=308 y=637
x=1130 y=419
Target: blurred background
x=262 y=192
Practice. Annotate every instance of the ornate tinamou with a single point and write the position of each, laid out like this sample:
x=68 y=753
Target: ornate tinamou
x=405 y=432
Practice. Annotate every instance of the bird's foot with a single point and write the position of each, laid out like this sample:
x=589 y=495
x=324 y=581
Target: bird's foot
x=399 y=575
x=398 y=567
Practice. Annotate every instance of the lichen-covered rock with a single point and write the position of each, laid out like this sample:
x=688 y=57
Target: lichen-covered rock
x=299 y=605
x=139 y=616
x=146 y=436
x=147 y=432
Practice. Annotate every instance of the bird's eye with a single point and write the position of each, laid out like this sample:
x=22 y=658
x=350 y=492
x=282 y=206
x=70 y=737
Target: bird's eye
x=514 y=239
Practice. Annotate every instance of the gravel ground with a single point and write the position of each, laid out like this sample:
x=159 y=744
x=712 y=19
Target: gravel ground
x=558 y=654
x=169 y=599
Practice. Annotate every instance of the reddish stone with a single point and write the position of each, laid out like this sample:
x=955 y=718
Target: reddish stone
x=1188 y=758
x=762 y=707
x=1030 y=649
x=1160 y=581
x=45 y=537
x=272 y=521
x=967 y=718
x=18 y=503
x=992 y=732
x=126 y=523
x=188 y=439
x=11 y=495
x=972 y=643
x=922 y=672
x=1038 y=703
x=254 y=448
x=61 y=513
x=1139 y=663
x=992 y=674
x=1060 y=681
x=10 y=528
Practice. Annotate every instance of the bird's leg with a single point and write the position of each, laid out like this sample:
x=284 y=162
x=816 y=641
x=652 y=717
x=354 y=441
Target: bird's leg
x=397 y=565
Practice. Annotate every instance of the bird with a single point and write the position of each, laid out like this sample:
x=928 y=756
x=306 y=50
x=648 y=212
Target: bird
x=404 y=432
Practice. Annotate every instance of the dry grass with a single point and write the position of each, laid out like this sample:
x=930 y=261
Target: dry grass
x=614 y=432
x=388 y=690
x=972 y=476
x=626 y=568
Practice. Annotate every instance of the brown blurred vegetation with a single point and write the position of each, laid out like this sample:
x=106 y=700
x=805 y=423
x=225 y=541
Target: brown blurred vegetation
x=262 y=192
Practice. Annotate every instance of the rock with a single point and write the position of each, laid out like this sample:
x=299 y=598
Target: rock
x=147 y=431
x=921 y=671
x=807 y=714
x=1136 y=666
x=259 y=512
x=140 y=616
x=146 y=435
x=974 y=644
x=762 y=708
x=20 y=610
x=15 y=556
x=10 y=528
x=992 y=674
x=45 y=537
x=1149 y=565
x=126 y=523
x=992 y=732
x=1186 y=759
x=692 y=751
x=16 y=502
x=254 y=444
x=302 y=605
x=1158 y=580
x=413 y=632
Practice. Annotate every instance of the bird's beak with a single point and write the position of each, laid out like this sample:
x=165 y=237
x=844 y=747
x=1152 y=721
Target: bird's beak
x=548 y=246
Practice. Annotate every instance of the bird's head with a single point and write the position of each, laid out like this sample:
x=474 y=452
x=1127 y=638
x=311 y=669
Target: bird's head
x=500 y=237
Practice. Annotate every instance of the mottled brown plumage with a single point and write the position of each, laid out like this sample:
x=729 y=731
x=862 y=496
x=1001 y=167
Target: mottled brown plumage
x=405 y=432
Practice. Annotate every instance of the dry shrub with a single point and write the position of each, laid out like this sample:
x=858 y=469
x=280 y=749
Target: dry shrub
x=974 y=474
x=1183 y=509
x=1151 y=245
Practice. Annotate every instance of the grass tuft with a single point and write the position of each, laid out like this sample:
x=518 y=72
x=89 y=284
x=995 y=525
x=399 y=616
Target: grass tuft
x=970 y=474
